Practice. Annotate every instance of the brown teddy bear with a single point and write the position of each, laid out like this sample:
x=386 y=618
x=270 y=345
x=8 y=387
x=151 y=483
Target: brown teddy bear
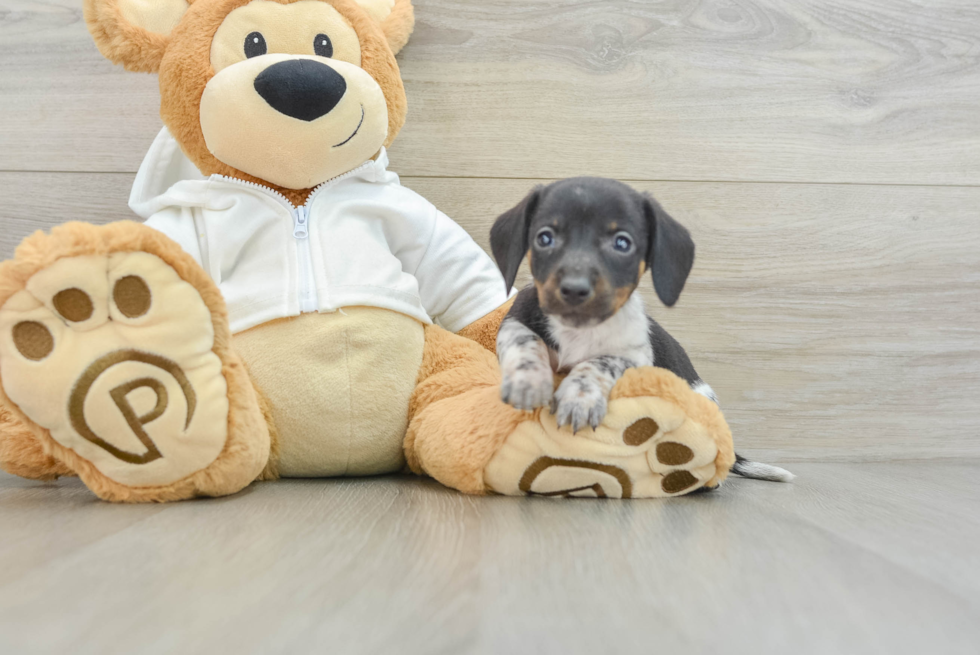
x=288 y=308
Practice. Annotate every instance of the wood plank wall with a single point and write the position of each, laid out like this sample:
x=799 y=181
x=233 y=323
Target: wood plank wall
x=826 y=157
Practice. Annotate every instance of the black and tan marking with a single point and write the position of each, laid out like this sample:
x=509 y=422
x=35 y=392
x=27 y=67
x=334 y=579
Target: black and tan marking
x=589 y=241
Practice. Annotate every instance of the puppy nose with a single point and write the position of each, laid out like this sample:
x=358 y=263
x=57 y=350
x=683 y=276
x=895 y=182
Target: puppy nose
x=575 y=290
x=301 y=88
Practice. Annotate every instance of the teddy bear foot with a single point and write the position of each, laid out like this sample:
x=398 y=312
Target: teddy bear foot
x=122 y=369
x=667 y=443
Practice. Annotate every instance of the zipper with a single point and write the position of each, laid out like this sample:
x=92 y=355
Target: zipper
x=300 y=228
x=308 y=301
x=307 y=281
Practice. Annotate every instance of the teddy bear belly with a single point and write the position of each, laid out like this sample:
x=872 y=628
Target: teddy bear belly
x=339 y=385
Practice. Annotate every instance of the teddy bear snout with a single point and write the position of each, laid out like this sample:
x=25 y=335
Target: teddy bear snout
x=301 y=88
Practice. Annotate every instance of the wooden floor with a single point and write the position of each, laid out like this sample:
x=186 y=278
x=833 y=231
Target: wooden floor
x=826 y=157
x=853 y=558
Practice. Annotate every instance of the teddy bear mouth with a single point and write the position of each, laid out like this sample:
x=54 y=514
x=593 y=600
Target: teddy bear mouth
x=356 y=130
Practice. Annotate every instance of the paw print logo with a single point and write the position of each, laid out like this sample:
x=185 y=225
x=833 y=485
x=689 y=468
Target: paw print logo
x=575 y=478
x=120 y=396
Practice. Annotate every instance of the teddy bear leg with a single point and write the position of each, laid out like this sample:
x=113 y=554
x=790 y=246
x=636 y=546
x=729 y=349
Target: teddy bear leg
x=115 y=357
x=457 y=422
x=658 y=438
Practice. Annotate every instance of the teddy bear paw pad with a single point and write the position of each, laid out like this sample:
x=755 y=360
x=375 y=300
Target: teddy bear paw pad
x=646 y=447
x=113 y=356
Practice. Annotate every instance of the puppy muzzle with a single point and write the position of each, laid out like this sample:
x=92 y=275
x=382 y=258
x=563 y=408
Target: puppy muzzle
x=576 y=290
x=577 y=300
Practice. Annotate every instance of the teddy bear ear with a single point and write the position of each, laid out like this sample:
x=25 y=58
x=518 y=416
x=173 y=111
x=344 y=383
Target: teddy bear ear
x=396 y=18
x=134 y=33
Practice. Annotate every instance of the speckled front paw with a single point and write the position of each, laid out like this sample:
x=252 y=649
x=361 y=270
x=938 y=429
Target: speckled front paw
x=579 y=402
x=527 y=388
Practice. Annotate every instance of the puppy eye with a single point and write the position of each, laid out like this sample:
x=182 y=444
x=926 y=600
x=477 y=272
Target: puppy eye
x=255 y=45
x=623 y=243
x=545 y=238
x=322 y=46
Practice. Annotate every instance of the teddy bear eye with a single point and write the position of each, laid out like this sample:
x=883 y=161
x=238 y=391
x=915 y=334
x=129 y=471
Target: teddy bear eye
x=255 y=45
x=322 y=46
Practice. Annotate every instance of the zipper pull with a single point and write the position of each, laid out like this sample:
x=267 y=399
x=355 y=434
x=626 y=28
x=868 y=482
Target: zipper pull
x=300 y=228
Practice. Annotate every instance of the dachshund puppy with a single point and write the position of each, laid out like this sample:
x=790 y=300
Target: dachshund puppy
x=590 y=241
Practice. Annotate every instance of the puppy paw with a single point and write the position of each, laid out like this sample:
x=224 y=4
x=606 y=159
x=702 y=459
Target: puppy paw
x=528 y=387
x=579 y=401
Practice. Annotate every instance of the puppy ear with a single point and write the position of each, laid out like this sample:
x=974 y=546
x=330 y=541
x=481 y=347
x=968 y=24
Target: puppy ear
x=134 y=33
x=508 y=236
x=670 y=254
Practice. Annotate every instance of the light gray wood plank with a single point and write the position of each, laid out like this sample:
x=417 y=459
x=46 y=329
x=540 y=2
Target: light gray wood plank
x=36 y=531
x=763 y=90
x=835 y=322
x=63 y=106
x=403 y=565
x=41 y=201
x=771 y=90
x=896 y=511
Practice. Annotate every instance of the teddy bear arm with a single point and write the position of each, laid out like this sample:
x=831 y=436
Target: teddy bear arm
x=484 y=330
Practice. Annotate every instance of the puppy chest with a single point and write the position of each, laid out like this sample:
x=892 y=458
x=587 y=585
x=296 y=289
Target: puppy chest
x=625 y=334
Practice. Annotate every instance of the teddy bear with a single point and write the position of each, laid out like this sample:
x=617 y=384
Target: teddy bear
x=286 y=308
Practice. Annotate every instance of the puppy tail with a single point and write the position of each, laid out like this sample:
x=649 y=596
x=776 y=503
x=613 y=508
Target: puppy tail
x=759 y=471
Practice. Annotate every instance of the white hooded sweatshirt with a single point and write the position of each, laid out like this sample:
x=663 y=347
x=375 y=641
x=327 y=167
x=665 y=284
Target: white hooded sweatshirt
x=360 y=239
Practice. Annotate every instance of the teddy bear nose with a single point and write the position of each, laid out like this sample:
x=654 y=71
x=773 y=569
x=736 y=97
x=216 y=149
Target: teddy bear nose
x=301 y=88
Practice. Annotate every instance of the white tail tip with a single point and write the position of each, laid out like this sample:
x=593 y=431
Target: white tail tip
x=759 y=471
